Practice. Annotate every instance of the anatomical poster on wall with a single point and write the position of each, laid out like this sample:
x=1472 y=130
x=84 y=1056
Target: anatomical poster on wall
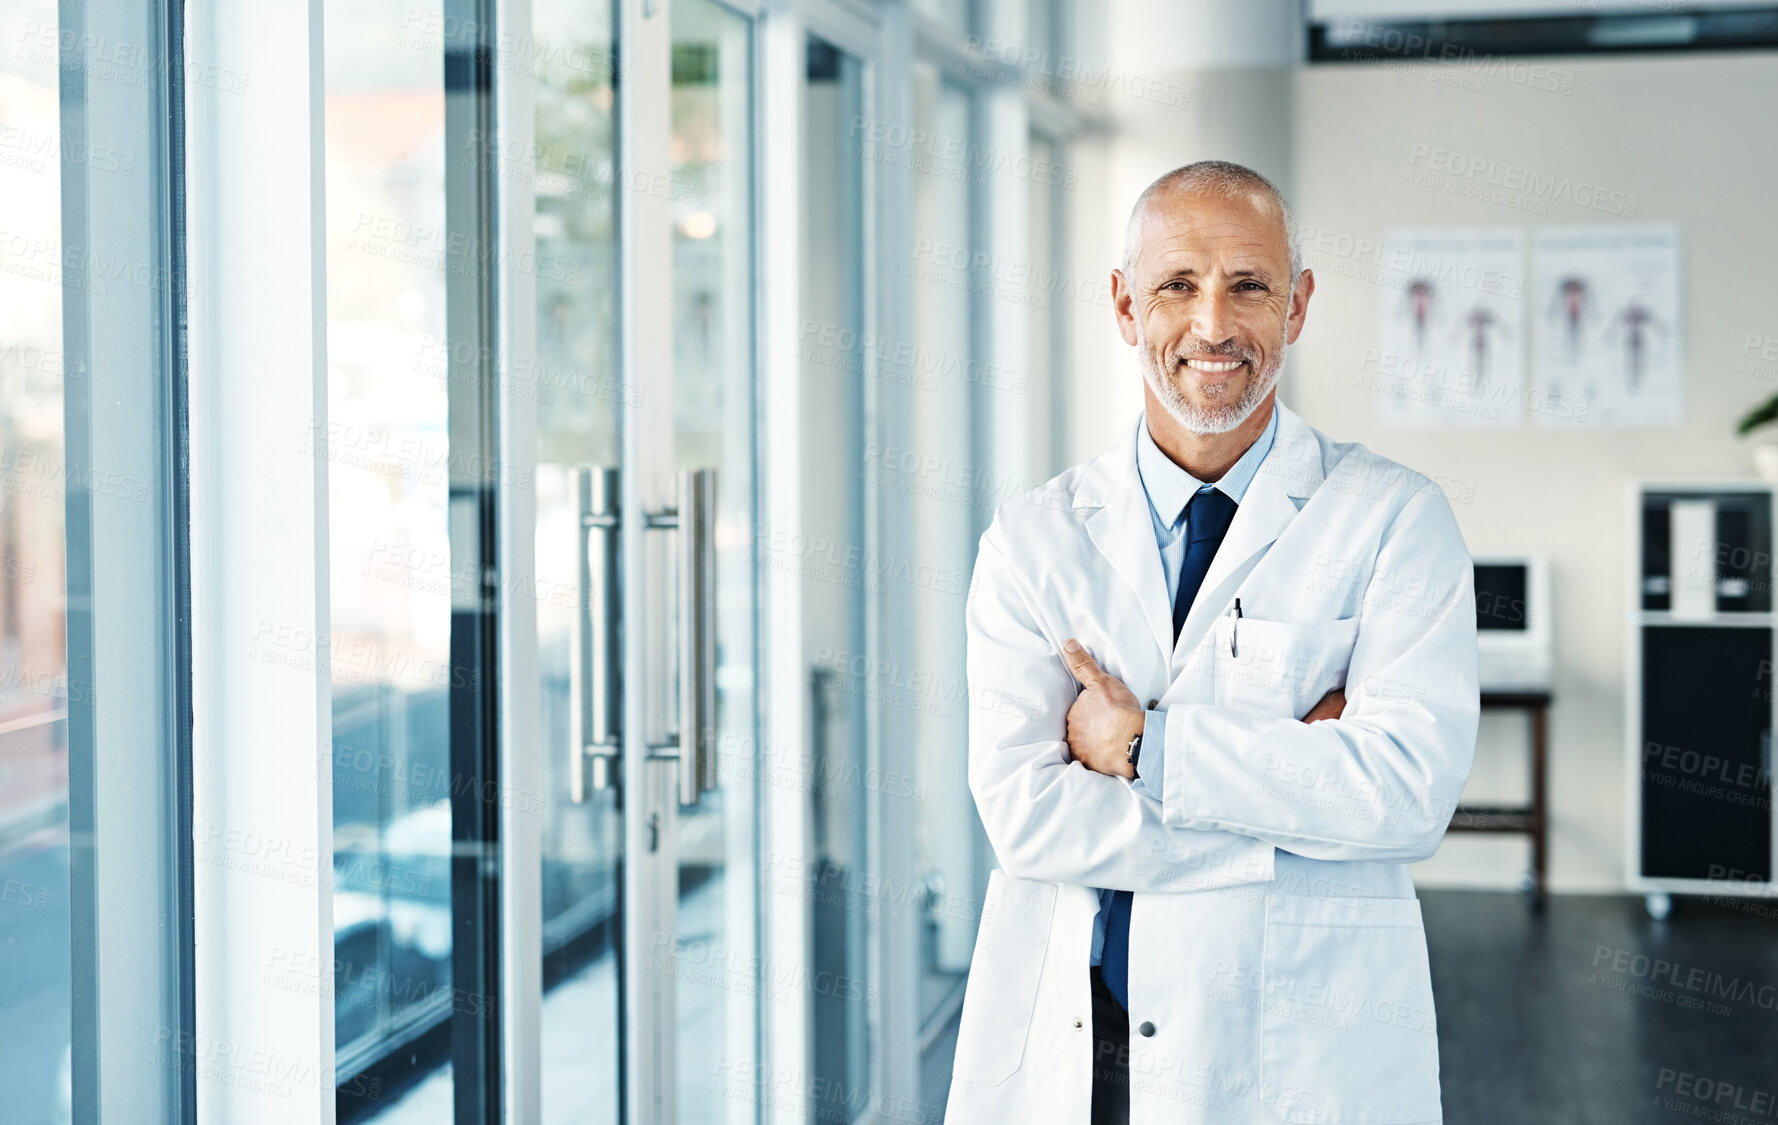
x=1451 y=310
x=1607 y=342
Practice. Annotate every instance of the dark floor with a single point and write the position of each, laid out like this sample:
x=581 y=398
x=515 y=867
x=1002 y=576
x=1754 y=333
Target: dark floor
x=1591 y=1013
x=1558 y=1019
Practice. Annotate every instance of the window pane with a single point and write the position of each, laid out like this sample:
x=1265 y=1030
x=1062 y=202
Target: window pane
x=95 y=832
x=955 y=15
x=943 y=534
x=713 y=426
x=390 y=575
x=837 y=574
x=1041 y=18
x=572 y=173
x=35 y=993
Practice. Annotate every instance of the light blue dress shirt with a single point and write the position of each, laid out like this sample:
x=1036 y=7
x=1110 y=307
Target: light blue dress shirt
x=1169 y=489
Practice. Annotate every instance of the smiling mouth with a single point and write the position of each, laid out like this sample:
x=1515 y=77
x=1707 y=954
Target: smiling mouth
x=1214 y=366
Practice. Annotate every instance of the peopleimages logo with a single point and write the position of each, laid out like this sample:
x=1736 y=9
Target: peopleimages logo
x=1693 y=979
x=1523 y=180
x=1714 y=1091
x=1080 y=75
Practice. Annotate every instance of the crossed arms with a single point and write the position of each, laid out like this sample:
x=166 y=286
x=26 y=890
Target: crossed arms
x=1106 y=715
x=1374 y=775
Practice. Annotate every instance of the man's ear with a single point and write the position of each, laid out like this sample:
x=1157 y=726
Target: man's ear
x=1299 y=305
x=1123 y=307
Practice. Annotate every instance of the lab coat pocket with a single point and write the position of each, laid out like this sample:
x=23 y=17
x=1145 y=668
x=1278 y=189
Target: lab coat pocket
x=1347 y=1032
x=1280 y=668
x=1003 y=978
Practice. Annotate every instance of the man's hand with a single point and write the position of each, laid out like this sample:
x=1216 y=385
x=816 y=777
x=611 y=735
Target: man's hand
x=1103 y=718
x=1106 y=715
x=1332 y=706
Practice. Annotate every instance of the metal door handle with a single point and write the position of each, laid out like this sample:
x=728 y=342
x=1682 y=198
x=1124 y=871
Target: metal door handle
x=595 y=656
x=697 y=633
x=695 y=520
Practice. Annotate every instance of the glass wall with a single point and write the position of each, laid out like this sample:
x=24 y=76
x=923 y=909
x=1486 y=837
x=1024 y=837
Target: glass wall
x=35 y=983
x=946 y=514
x=96 y=836
x=956 y=16
x=391 y=462
x=579 y=400
x=833 y=557
x=407 y=466
x=977 y=286
x=713 y=406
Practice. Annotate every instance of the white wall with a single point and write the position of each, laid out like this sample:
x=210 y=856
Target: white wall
x=1691 y=139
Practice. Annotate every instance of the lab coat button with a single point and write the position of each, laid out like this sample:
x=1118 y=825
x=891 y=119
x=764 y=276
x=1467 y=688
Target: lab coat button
x=1077 y=1025
x=1146 y=1028
x=1152 y=703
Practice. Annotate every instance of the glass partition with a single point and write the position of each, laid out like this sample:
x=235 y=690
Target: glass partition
x=408 y=674
x=835 y=573
x=35 y=974
x=946 y=518
x=579 y=399
x=96 y=835
x=717 y=993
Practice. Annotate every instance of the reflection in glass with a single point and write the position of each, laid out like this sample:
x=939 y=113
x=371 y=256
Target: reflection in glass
x=1042 y=20
x=35 y=972
x=943 y=536
x=957 y=16
x=711 y=148
x=834 y=641
x=390 y=574
x=578 y=398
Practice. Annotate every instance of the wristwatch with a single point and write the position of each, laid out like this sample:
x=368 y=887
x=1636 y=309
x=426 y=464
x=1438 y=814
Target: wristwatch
x=1134 y=749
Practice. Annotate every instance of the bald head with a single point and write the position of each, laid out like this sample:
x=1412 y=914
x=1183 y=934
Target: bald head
x=1211 y=292
x=1220 y=178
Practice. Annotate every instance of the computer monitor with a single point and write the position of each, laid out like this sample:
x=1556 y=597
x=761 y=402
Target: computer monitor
x=1512 y=603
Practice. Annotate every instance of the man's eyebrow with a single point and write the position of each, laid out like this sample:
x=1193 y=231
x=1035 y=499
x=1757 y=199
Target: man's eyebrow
x=1256 y=273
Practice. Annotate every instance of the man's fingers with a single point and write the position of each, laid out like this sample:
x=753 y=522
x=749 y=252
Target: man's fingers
x=1331 y=706
x=1080 y=662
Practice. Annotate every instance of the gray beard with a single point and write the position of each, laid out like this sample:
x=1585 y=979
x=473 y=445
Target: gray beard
x=1218 y=419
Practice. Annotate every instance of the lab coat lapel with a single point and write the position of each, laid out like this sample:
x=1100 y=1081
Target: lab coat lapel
x=1124 y=533
x=1290 y=473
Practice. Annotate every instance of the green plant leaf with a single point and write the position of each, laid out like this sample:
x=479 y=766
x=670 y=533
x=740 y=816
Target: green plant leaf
x=1760 y=415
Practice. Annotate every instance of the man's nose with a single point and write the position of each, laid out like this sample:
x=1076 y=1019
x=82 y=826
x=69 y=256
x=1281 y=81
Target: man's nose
x=1212 y=319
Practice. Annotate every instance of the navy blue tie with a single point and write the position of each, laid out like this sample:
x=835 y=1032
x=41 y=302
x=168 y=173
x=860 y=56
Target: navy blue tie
x=1207 y=518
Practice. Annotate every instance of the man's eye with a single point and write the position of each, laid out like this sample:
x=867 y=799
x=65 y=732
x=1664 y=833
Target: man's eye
x=1175 y=286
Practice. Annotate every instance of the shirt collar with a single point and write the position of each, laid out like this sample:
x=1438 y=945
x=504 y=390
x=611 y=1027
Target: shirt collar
x=1169 y=487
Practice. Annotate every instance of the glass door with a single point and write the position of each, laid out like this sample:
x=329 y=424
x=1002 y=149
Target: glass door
x=711 y=955
x=572 y=384
x=415 y=481
x=631 y=349
x=838 y=571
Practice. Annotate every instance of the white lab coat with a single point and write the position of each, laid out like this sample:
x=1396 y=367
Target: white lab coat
x=1276 y=945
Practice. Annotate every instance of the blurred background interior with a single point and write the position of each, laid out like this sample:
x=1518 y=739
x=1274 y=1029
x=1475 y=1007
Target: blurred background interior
x=488 y=490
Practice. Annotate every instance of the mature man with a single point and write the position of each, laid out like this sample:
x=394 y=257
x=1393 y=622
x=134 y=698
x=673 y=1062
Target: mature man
x=1223 y=685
